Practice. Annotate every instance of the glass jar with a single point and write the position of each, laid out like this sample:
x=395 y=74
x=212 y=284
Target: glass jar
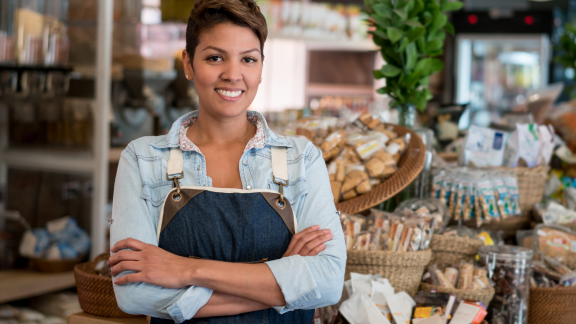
x=7 y=31
x=510 y=268
x=55 y=34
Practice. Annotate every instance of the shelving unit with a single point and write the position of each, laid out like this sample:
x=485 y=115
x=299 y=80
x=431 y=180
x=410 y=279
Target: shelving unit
x=20 y=284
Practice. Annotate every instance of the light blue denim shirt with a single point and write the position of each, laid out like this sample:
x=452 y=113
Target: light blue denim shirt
x=141 y=185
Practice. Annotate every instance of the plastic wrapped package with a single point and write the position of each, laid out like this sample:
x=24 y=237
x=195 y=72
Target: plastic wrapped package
x=381 y=165
x=428 y=206
x=501 y=194
x=487 y=199
x=333 y=144
x=356 y=182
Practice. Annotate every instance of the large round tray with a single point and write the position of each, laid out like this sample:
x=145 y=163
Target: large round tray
x=409 y=167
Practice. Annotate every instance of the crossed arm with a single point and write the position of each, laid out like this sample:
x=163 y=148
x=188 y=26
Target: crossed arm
x=238 y=288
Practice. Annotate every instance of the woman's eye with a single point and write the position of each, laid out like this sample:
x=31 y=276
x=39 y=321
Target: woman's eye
x=215 y=58
x=249 y=60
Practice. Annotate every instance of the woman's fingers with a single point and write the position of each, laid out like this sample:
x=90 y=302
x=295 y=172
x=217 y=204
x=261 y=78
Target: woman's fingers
x=125 y=266
x=298 y=235
x=128 y=243
x=314 y=243
x=317 y=250
x=302 y=241
x=124 y=255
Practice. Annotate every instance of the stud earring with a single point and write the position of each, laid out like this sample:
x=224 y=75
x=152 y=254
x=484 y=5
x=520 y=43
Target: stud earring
x=187 y=77
x=260 y=79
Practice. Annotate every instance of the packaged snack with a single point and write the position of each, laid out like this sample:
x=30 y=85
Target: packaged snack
x=432 y=303
x=482 y=275
x=362 y=241
x=368 y=149
x=333 y=144
x=466 y=275
x=427 y=227
x=417 y=207
x=487 y=200
x=314 y=128
x=355 y=182
x=454 y=195
x=445 y=192
x=523 y=147
x=462 y=199
x=351 y=226
x=451 y=273
x=512 y=187
x=437 y=182
x=379 y=289
x=361 y=309
x=396 y=147
x=501 y=194
x=381 y=165
x=469 y=313
x=484 y=147
x=554 y=241
x=401 y=305
x=361 y=283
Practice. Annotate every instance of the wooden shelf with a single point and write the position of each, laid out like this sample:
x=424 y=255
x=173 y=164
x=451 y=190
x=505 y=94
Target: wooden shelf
x=330 y=44
x=83 y=318
x=320 y=89
x=20 y=284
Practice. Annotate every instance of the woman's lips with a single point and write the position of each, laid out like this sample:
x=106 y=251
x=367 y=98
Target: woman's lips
x=229 y=95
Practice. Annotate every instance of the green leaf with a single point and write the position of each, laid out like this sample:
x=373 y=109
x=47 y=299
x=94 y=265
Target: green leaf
x=433 y=46
x=452 y=6
x=381 y=21
x=427 y=94
x=383 y=9
x=449 y=28
x=390 y=70
x=428 y=18
x=380 y=33
x=390 y=55
x=424 y=81
x=439 y=22
x=417 y=7
x=443 y=3
x=377 y=74
x=420 y=101
x=415 y=33
x=422 y=68
x=401 y=4
x=438 y=34
x=394 y=34
x=383 y=90
x=436 y=53
x=403 y=44
x=411 y=56
x=401 y=13
x=436 y=65
x=421 y=44
x=412 y=23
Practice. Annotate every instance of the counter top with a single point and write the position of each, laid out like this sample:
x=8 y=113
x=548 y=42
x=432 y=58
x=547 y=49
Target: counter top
x=83 y=318
x=24 y=283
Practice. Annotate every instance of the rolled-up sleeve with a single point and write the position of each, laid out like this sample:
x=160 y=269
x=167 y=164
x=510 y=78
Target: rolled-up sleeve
x=131 y=219
x=314 y=281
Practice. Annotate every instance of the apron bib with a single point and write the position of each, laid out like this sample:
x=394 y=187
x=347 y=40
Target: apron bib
x=231 y=225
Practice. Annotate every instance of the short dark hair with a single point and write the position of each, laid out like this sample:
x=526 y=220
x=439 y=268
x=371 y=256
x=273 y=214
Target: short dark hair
x=208 y=13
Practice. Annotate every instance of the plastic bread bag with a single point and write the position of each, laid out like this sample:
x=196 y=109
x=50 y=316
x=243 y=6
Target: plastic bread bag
x=361 y=283
x=362 y=241
x=512 y=186
x=379 y=289
x=481 y=274
x=315 y=128
x=410 y=226
x=451 y=273
x=454 y=196
x=487 y=200
x=427 y=232
x=438 y=277
x=501 y=194
x=352 y=225
x=437 y=181
x=381 y=165
x=401 y=306
x=446 y=190
x=463 y=198
x=356 y=182
x=365 y=122
x=427 y=207
x=466 y=274
x=333 y=144
x=397 y=147
x=360 y=309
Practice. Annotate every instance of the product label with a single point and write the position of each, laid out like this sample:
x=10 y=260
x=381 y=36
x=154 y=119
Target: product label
x=368 y=149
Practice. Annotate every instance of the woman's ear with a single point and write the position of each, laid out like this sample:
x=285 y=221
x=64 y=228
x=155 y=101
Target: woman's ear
x=188 y=72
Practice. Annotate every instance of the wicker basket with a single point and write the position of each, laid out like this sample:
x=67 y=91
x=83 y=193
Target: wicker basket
x=552 y=305
x=403 y=269
x=409 y=167
x=451 y=249
x=483 y=295
x=95 y=292
x=44 y=265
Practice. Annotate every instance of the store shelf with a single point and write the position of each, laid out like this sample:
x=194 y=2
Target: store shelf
x=20 y=284
x=50 y=160
x=321 y=89
x=83 y=318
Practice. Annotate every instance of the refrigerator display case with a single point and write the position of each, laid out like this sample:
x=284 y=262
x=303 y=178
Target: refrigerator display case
x=495 y=72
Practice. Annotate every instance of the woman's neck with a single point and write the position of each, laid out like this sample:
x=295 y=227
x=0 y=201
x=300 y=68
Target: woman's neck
x=220 y=131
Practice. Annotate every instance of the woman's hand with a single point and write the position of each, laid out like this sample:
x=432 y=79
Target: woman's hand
x=153 y=264
x=309 y=242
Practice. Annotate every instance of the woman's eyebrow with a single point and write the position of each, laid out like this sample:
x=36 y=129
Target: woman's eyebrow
x=224 y=52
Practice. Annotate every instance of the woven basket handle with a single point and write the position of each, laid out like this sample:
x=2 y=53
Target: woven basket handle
x=103 y=256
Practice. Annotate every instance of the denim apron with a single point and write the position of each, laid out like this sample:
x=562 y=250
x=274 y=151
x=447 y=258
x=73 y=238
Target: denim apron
x=231 y=225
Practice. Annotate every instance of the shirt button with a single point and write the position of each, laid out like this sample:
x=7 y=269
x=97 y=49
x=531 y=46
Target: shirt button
x=248 y=187
x=198 y=168
x=245 y=162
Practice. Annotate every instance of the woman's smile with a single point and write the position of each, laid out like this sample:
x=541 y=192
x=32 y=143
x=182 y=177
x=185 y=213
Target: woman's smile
x=229 y=94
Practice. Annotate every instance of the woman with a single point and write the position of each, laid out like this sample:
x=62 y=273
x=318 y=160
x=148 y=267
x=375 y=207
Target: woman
x=186 y=250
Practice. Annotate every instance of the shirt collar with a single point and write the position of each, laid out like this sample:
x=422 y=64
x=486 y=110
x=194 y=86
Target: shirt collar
x=170 y=140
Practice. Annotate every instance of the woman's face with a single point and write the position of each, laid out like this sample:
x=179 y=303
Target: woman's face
x=226 y=69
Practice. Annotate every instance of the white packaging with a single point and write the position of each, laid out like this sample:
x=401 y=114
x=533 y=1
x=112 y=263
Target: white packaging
x=484 y=147
x=546 y=134
x=348 y=287
x=360 y=309
x=524 y=144
x=401 y=305
x=564 y=153
x=361 y=283
x=378 y=296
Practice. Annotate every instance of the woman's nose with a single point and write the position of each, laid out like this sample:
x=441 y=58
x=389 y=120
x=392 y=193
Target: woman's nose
x=232 y=72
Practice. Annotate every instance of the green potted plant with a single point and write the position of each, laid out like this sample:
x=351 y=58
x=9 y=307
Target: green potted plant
x=410 y=34
x=567 y=47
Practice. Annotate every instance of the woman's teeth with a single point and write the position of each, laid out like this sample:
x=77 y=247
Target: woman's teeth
x=231 y=94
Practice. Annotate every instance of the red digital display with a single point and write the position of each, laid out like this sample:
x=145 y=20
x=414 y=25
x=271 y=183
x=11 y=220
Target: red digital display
x=529 y=20
x=472 y=19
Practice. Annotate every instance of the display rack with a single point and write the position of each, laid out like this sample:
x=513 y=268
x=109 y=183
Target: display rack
x=94 y=163
x=20 y=284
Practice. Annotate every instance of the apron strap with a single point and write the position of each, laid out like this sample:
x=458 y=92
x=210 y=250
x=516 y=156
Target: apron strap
x=175 y=162
x=279 y=163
